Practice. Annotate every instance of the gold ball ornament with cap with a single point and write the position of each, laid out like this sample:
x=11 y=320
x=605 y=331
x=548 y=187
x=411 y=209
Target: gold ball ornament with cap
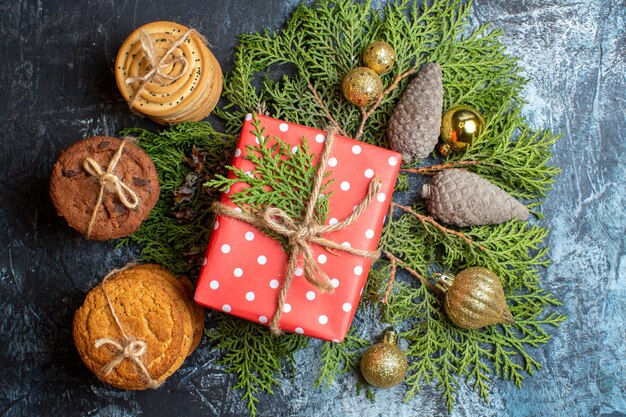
x=361 y=86
x=379 y=56
x=460 y=126
x=384 y=364
x=474 y=298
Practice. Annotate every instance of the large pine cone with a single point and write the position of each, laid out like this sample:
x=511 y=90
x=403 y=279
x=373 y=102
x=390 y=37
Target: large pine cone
x=414 y=126
x=462 y=198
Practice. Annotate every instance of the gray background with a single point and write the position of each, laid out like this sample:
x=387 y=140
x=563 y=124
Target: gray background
x=57 y=87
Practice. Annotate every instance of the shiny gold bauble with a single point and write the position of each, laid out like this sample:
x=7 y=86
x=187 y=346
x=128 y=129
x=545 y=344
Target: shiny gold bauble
x=379 y=56
x=384 y=364
x=361 y=86
x=474 y=298
x=460 y=126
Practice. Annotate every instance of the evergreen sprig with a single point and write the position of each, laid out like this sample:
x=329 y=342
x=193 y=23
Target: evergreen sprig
x=281 y=178
x=338 y=358
x=252 y=353
x=281 y=71
x=163 y=238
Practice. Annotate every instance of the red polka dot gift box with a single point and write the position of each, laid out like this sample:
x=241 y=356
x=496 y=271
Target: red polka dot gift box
x=249 y=274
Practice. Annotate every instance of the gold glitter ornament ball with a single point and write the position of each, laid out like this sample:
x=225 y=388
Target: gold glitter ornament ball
x=474 y=298
x=384 y=364
x=379 y=56
x=361 y=86
x=460 y=126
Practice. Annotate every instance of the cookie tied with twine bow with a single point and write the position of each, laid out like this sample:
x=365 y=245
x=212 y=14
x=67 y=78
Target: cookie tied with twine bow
x=104 y=187
x=166 y=71
x=302 y=234
x=137 y=327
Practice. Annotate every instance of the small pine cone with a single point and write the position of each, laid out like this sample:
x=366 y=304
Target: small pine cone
x=462 y=198
x=414 y=126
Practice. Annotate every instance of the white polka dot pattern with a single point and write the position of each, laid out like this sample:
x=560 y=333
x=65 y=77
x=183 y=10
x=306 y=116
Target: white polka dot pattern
x=245 y=267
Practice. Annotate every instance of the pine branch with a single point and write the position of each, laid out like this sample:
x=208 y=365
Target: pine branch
x=433 y=169
x=392 y=279
x=163 y=238
x=365 y=114
x=328 y=115
x=411 y=271
x=338 y=358
x=319 y=44
x=430 y=220
x=280 y=178
x=253 y=354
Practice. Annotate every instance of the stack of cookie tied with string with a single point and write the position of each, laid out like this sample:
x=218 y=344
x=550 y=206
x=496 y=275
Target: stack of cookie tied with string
x=137 y=327
x=165 y=71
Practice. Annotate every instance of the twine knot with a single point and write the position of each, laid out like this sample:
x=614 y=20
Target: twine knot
x=110 y=182
x=157 y=66
x=131 y=349
x=135 y=349
x=300 y=235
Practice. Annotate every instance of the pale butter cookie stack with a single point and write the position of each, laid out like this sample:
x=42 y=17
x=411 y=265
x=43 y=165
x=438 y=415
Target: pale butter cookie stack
x=165 y=71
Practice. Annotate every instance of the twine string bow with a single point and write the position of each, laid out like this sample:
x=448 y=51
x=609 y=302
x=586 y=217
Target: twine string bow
x=157 y=65
x=130 y=348
x=109 y=182
x=301 y=235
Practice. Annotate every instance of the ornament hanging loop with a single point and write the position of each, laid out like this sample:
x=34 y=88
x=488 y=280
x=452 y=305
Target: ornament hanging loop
x=443 y=281
x=390 y=337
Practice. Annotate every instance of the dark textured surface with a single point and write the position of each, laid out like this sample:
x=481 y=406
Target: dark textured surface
x=57 y=87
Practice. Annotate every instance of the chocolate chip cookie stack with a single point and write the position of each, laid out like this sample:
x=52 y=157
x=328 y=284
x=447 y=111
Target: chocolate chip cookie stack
x=166 y=71
x=137 y=327
x=104 y=187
